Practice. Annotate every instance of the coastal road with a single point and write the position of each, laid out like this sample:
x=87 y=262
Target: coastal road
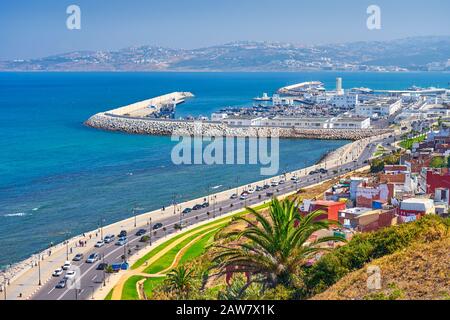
x=91 y=279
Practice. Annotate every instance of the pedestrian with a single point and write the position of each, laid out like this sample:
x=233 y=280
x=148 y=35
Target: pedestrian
x=90 y=236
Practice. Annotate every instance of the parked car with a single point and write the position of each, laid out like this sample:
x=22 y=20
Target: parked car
x=281 y=182
x=57 y=272
x=179 y=226
x=266 y=186
x=205 y=205
x=141 y=232
x=243 y=196
x=234 y=196
x=274 y=183
x=258 y=188
x=78 y=257
x=66 y=265
x=100 y=244
x=197 y=207
x=93 y=258
x=269 y=194
x=322 y=170
x=102 y=266
x=61 y=284
x=121 y=242
x=157 y=226
x=109 y=238
x=123 y=233
x=187 y=210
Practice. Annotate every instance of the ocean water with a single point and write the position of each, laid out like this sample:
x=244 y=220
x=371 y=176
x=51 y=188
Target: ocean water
x=58 y=176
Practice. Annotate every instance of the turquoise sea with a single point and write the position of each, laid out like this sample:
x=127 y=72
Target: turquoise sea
x=57 y=176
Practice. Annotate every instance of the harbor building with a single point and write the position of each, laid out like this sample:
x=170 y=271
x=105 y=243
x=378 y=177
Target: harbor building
x=378 y=108
x=344 y=101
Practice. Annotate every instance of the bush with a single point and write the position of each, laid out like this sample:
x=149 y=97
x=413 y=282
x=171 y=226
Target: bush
x=369 y=246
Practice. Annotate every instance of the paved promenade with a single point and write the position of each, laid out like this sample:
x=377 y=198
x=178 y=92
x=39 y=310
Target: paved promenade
x=24 y=279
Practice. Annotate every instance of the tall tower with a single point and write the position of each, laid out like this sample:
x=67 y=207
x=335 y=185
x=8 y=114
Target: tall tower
x=339 y=90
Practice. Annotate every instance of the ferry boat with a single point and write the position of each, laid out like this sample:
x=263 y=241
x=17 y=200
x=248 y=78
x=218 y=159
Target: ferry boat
x=264 y=97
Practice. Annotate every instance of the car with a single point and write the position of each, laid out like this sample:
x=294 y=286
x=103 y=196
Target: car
x=180 y=226
x=274 y=183
x=281 y=182
x=78 y=257
x=70 y=275
x=258 y=188
x=197 y=207
x=313 y=172
x=141 y=232
x=187 y=210
x=61 y=284
x=102 y=266
x=100 y=244
x=243 y=197
x=322 y=170
x=269 y=194
x=157 y=226
x=57 y=272
x=109 y=238
x=266 y=186
x=205 y=205
x=66 y=265
x=121 y=242
x=234 y=196
x=123 y=233
x=251 y=190
x=93 y=258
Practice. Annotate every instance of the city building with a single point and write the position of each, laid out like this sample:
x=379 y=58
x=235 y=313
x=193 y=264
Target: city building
x=378 y=108
x=417 y=207
x=344 y=101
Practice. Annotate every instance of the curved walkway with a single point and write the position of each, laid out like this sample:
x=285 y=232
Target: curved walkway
x=118 y=289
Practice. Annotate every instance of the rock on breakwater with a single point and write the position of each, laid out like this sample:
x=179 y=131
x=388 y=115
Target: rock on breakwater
x=105 y=121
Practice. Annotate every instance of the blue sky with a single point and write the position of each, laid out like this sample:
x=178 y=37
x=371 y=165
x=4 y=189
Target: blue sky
x=35 y=28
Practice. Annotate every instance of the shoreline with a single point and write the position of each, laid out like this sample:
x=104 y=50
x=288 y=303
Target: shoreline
x=333 y=158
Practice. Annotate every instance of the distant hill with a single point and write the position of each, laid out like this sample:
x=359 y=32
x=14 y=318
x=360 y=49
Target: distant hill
x=420 y=272
x=419 y=53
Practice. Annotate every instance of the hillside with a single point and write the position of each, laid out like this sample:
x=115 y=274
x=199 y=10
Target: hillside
x=419 y=272
x=419 y=53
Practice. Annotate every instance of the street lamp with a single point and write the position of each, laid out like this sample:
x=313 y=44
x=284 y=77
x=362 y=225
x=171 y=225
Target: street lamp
x=39 y=270
x=101 y=228
x=150 y=231
x=67 y=245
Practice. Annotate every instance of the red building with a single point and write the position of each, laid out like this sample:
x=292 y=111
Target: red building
x=331 y=209
x=437 y=179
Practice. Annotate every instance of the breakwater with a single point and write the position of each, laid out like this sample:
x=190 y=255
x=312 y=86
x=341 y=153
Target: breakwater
x=135 y=125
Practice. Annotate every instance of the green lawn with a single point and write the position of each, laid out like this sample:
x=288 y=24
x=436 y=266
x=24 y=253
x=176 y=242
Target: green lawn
x=197 y=248
x=166 y=260
x=408 y=143
x=129 y=291
x=439 y=162
x=109 y=295
x=160 y=247
x=149 y=284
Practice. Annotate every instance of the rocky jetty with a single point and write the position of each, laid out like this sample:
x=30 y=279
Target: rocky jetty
x=105 y=121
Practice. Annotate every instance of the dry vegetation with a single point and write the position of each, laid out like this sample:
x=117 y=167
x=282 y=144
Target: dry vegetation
x=420 y=272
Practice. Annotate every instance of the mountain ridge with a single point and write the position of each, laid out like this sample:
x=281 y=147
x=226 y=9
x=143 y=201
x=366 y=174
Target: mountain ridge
x=423 y=53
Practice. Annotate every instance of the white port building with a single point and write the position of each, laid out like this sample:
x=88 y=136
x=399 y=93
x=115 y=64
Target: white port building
x=379 y=108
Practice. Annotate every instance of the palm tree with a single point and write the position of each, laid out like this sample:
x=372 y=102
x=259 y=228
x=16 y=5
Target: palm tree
x=273 y=247
x=179 y=281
